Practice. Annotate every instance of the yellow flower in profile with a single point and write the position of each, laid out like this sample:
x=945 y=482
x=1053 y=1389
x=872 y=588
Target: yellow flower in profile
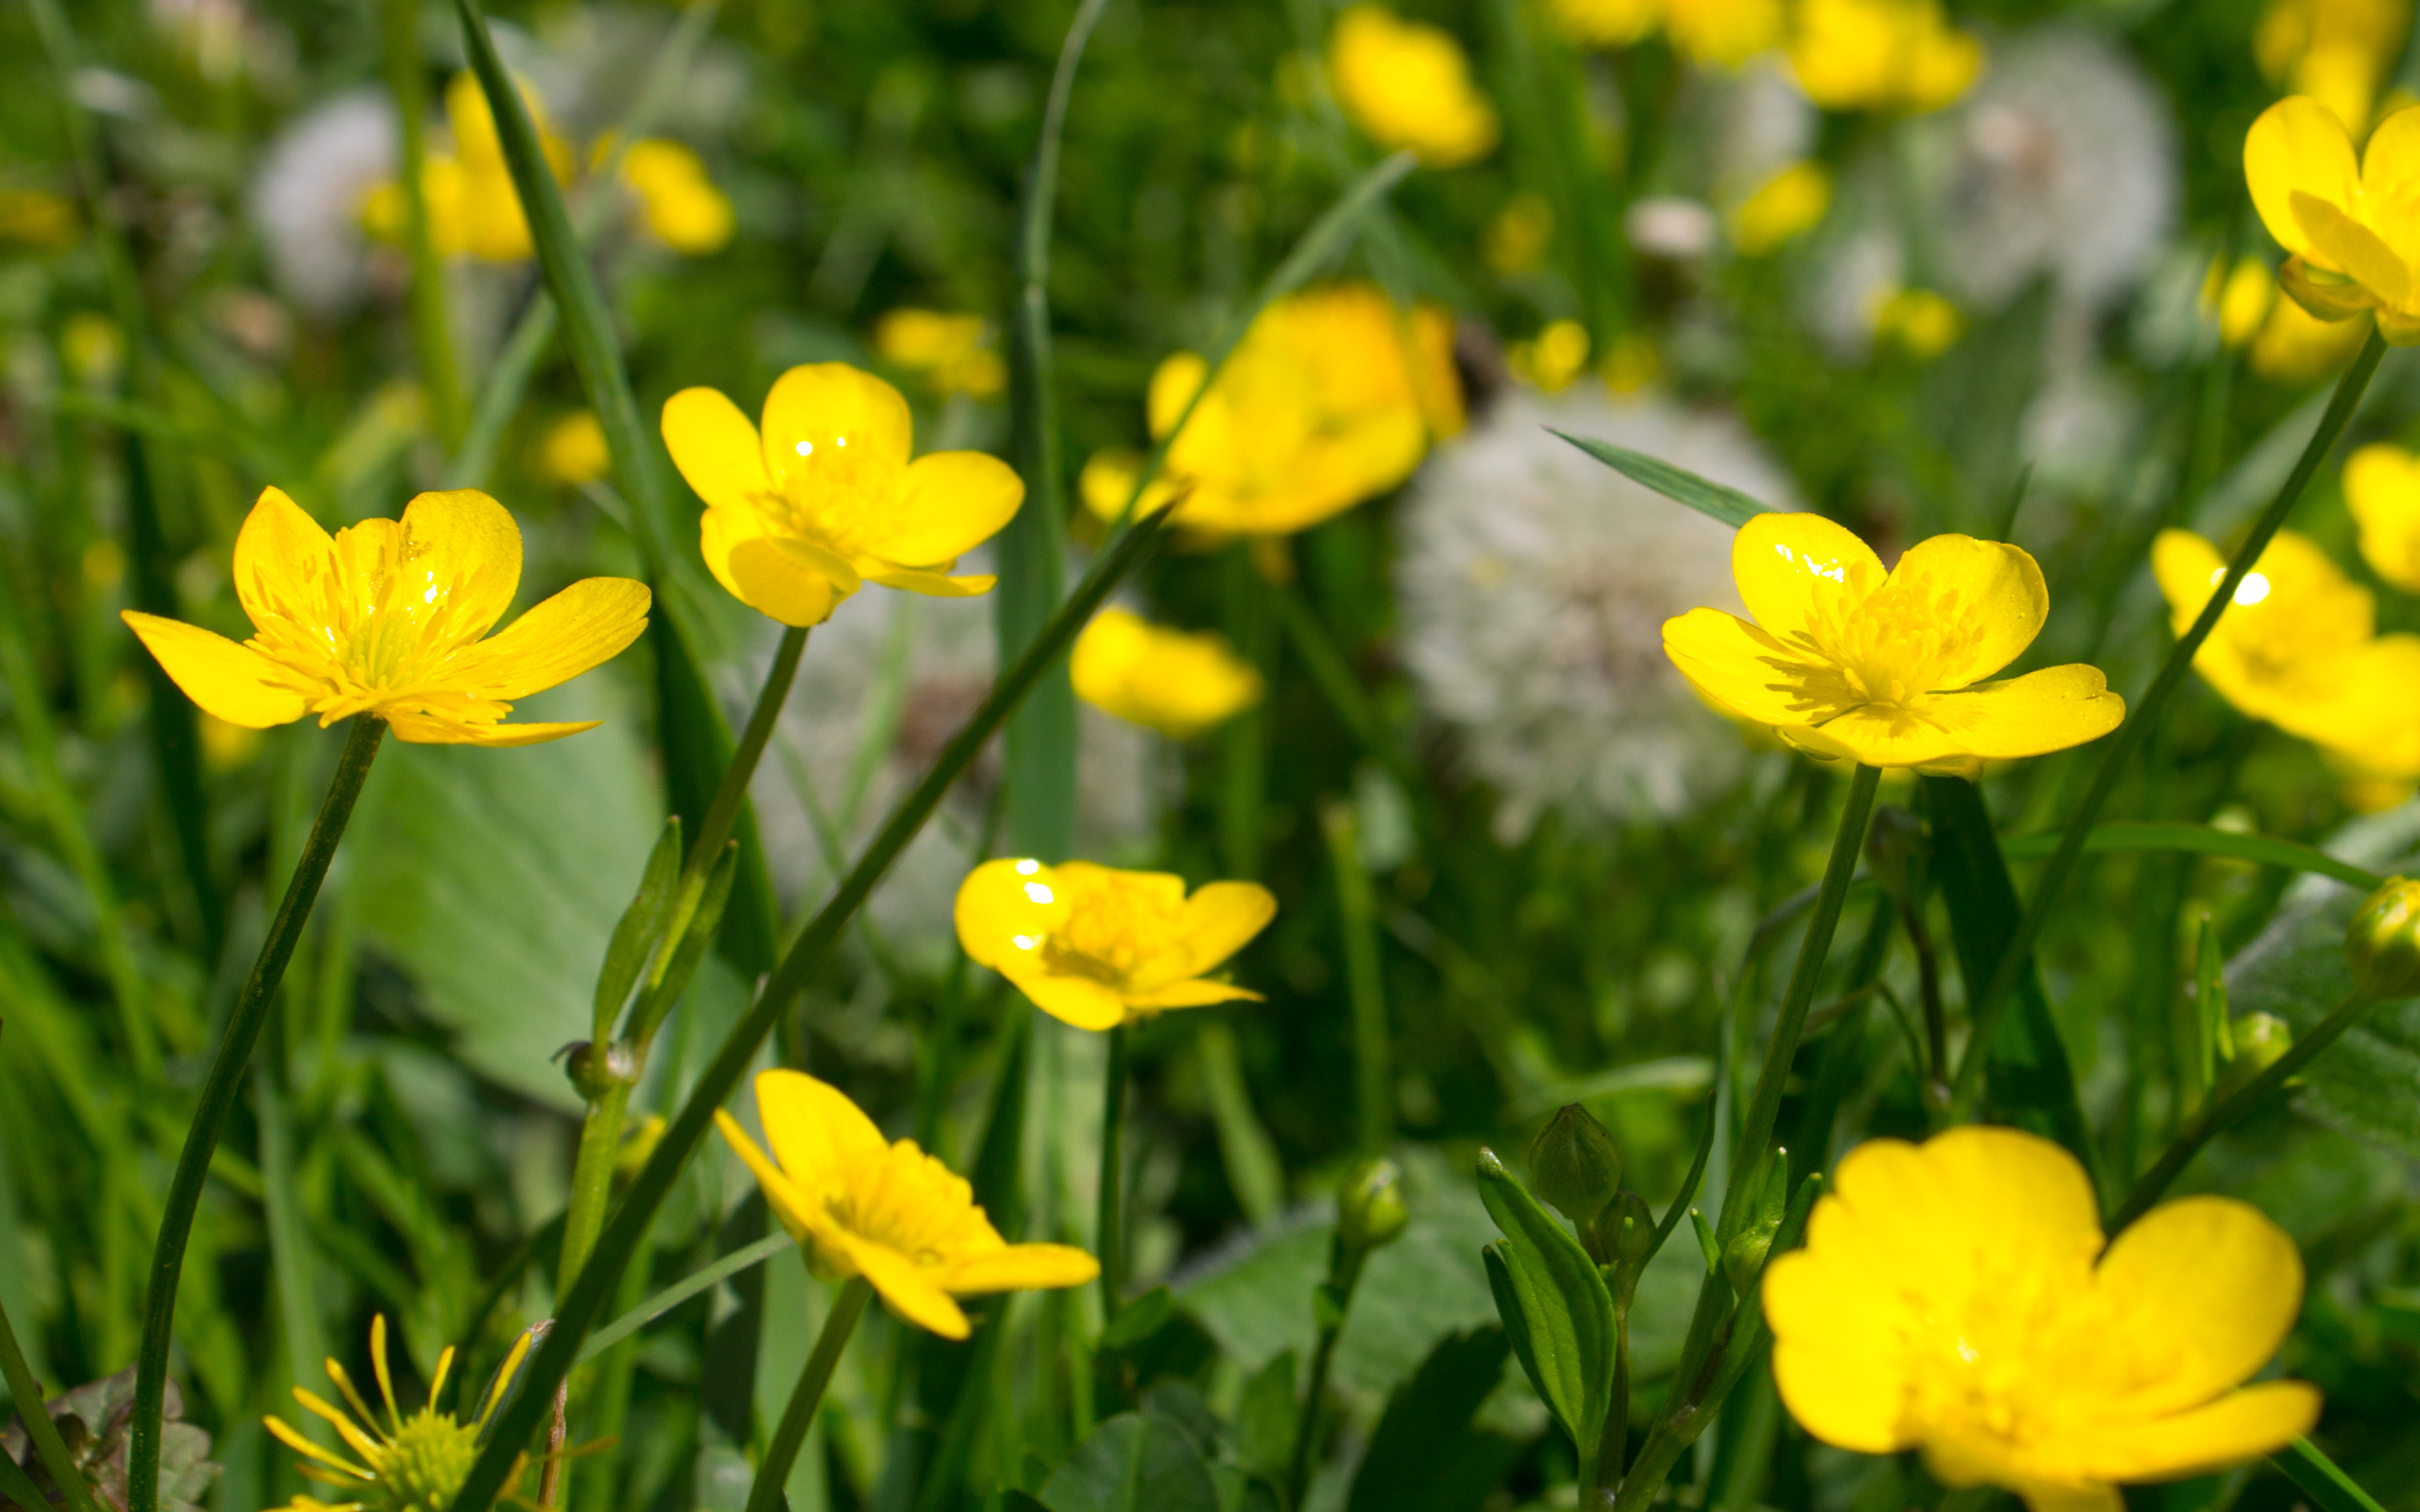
x=472 y=207
x=825 y=500
x=1180 y=682
x=1788 y=205
x=1331 y=398
x=1957 y=1297
x=2381 y=487
x=1406 y=84
x=862 y=1205
x=1096 y=948
x=681 y=204
x=410 y=1464
x=573 y=451
x=2334 y=50
x=1882 y=55
x=1917 y=321
x=2298 y=648
x=386 y=619
x=2355 y=244
x=1723 y=32
x=1845 y=661
x=1603 y=22
x=953 y=353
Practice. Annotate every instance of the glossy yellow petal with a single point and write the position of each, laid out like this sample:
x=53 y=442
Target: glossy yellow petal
x=1835 y=1352
x=1221 y=918
x=2298 y=146
x=788 y=1201
x=951 y=503
x=717 y=449
x=1795 y=570
x=1986 y=600
x=2240 y=1425
x=417 y=728
x=2187 y=567
x=2354 y=248
x=2209 y=1287
x=1022 y=1268
x=1736 y=666
x=281 y=555
x=719 y=532
x=822 y=414
x=1173 y=383
x=2030 y=715
x=462 y=555
x=1197 y=992
x=2381 y=487
x=230 y=681
x=581 y=627
x=2390 y=164
x=1918 y=1209
x=816 y=1132
x=933 y=584
x=794 y=581
x=1004 y=911
x=1077 y=1001
x=911 y=1293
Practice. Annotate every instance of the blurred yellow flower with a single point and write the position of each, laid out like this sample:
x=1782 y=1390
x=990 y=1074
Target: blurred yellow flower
x=226 y=746
x=1917 y=321
x=473 y=207
x=2334 y=51
x=2296 y=347
x=1789 y=204
x=573 y=449
x=1096 y=948
x=1958 y=1297
x=1549 y=364
x=1845 y=661
x=2353 y=240
x=92 y=348
x=1406 y=84
x=826 y=500
x=1517 y=238
x=861 y=1205
x=682 y=205
x=2381 y=487
x=386 y=619
x=1629 y=363
x=2298 y=648
x=1331 y=398
x=1881 y=54
x=2238 y=299
x=1724 y=32
x=38 y=218
x=419 y=1462
x=1177 y=682
x=1603 y=22
x=953 y=353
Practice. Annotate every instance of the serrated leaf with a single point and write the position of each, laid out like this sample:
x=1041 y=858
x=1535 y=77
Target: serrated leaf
x=1132 y=1463
x=1682 y=486
x=1561 y=1297
x=634 y=936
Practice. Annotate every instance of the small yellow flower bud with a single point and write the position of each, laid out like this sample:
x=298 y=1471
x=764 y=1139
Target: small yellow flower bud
x=1575 y=1165
x=1370 y=1213
x=2383 y=941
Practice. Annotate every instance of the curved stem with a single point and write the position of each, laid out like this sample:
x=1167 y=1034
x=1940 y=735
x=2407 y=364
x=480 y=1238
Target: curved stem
x=2223 y=1114
x=797 y=1418
x=2144 y=714
x=1110 y=1233
x=226 y=1080
x=1332 y=1303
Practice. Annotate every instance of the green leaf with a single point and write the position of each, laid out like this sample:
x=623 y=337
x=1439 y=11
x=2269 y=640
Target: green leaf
x=1563 y=1300
x=1682 y=486
x=2201 y=840
x=634 y=938
x=1132 y=1463
x=682 y=1290
x=1424 y=1456
x=2321 y=1479
x=1266 y=1421
x=1514 y=1322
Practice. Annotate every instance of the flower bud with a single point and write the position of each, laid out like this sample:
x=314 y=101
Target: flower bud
x=596 y=1069
x=2383 y=941
x=1899 y=850
x=1624 y=1239
x=1575 y=1165
x=1370 y=1210
x=1743 y=1256
x=2260 y=1040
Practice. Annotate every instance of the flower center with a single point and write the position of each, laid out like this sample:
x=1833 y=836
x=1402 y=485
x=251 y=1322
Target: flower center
x=837 y=491
x=1115 y=933
x=423 y=1465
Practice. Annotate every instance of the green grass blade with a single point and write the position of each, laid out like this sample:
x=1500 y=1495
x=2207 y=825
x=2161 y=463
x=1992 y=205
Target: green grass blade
x=431 y=324
x=1682 y=486
x=2201 y=840
x=682 y=1290
x=2321 y=1479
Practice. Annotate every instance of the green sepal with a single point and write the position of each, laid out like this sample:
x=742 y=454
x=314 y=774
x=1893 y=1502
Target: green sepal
x=1563 y=1300
x=634 y=938
x=1708 y=1245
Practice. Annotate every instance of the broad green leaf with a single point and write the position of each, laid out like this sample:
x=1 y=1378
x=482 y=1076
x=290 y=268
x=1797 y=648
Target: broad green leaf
x=2203 y=840
x=1562 y=1299
x=1682 y=486
x=1132 y=1463
x=1424 y=1456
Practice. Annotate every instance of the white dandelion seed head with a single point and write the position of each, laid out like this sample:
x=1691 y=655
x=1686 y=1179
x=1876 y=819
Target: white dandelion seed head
x=307 y=198
x=1534 y=583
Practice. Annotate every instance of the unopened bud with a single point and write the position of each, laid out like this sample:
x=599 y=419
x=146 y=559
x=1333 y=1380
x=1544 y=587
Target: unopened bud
x=1743 y=1258
x=1625 y=1236
x=1899 y=850
x=1370 y=1210
x=2383 y=941
x=596 y=1069
x=2260 y=1041
x=1575 y=1165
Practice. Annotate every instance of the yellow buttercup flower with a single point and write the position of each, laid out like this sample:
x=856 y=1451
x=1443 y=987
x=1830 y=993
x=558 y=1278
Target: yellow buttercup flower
x=1723 y=32
x=1180 y=682
x=1882 y=55
x=1550 y=362
x=386 y=618
x=2295 y=345
x=573 y=449
x=1845 y=661
x=2298 y=648
x=953 y=353
x=1917 y=321
x=1958 y=1297
x=1788 y=205
x=1096 y=948
x=410 y=1464
x=1516 y=239
x=472 y=207
x=862 y=1205
x=1407 y=84
x=1331 y=398
x=2334 y=50
x=2238 y=299
x=826 y=500
x=38 y=218
x=2381 y=487
x=681 y=204
x=2354 y=239
x=1603 y=22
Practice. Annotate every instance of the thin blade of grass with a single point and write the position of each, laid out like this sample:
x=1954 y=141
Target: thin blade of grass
x=1682 y=486
x=2200 y=840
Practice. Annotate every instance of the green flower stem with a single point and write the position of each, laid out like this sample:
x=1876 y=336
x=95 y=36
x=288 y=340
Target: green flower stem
x=1764 y=1104
x=432 y=325
x=1986 y=1009
x=1330 y=1304
x=1374 y=1056
x=773 y=1475
x=2232 y=1109
x=27 y=1393
x=1109 y=1232
x=252 y=1006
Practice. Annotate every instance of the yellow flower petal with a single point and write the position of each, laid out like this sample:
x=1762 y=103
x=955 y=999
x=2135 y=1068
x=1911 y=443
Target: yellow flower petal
x=953 y=501
x=933 y=584
x=717 y=449
x=2018 y=1193
x=1173 y=387
x=421 y=729
x=2390 y=164
x=1077 y=1001
x=1796 y=568
x=1221 y=918
x=1023 y=1268
x=2209 y=1287
x=2352 y=248
x=463 y=554
x=816 y=1132
x=230 y=681
x=909 y=1291
x=1737 y=667
x=1989 y=593
x=1835 y=1354
x=828 y=417
x=281 y=555
x=2298 y=145
x=791 y=580
x=788 y=1201
x=2044 y=711
x=719 y=534
x=1005 y=909
x=2240 y=1425
x=580 y=628
x=1197 y=992
x=2382 y=486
